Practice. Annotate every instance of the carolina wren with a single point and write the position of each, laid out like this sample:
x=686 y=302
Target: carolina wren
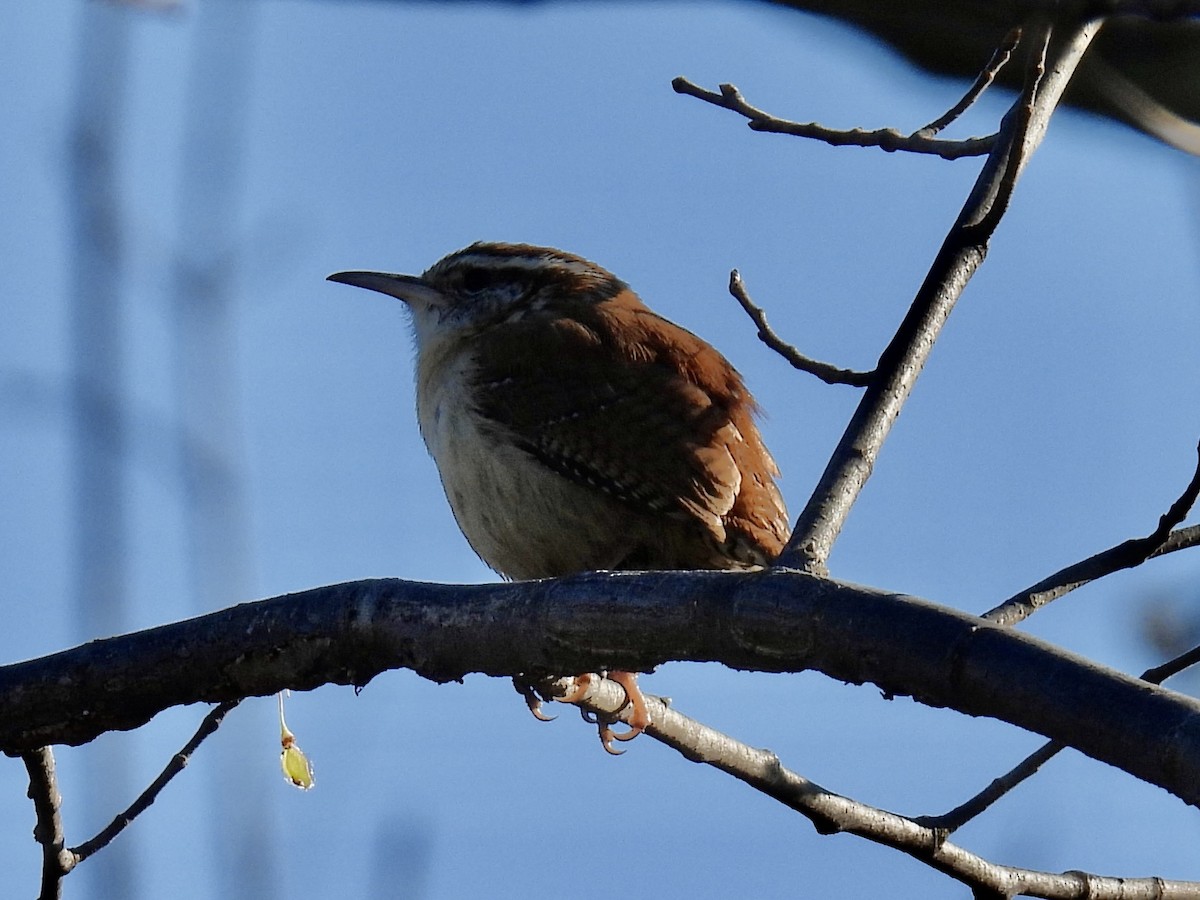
x=574 y=428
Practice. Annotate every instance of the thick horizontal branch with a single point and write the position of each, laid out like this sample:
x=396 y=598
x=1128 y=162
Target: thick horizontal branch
x=772 y=621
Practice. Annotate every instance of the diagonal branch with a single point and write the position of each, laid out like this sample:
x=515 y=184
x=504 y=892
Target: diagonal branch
x=177 y=763
x=1185 y=660
x=774 y=620
x=57 y=860
x=982 y=82
x=961 y=253
x=1133 y=552
x=831 y=813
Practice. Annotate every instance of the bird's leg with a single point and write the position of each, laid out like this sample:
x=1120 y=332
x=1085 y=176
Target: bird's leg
x=639 y=716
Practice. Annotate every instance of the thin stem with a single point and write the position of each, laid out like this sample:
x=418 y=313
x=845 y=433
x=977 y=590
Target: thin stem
x=1133 y=552
x=826 y=372
x=982 y=82
x=176 y=765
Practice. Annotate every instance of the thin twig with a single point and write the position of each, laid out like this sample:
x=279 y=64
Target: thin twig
x=1172 y=667
x=960 y=255
x=982 y=82
x=1025 y=109
x=949 y=822
x=888 y=139
x=831 y=813
x=48 y=832
x=177 y=763
x=1133 y=552
x=826 y=372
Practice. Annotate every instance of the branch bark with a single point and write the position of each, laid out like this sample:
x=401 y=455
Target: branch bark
x=48 y=832
x=832 y=813
x=773 y=621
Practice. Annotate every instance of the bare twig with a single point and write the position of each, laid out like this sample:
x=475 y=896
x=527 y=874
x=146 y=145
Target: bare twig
x=48 y=832
x=949 y=822
x=984 y=80
x=1172 y=667
x=888 y=139
x=1133 y=552
x=1179 y=539
x=959 y=256
x=57 y=860
x=827 y=373
x=178 y=762
x=831 y=813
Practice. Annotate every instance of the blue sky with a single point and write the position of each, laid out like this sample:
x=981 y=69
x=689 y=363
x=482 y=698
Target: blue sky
x=1057 y=416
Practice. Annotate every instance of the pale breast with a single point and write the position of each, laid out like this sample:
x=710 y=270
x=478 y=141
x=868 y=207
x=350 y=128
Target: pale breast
x=521 y=518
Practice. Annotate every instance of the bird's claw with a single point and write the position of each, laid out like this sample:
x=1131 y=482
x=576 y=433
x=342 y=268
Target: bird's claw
x=639 y=717
x=532 y=700
x=635 y=701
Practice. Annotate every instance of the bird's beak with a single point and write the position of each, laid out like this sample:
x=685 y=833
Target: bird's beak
x=408 y=288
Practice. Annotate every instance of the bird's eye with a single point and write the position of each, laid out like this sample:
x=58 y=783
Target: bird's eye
x=476 y=280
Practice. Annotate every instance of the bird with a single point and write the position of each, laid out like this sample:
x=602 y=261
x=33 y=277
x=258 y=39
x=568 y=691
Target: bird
x=574 y=429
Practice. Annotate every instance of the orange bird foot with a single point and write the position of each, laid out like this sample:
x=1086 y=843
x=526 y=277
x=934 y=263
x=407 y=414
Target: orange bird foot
x=639 y=717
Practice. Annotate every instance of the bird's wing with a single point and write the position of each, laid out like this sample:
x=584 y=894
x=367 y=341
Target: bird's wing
x=598 y=404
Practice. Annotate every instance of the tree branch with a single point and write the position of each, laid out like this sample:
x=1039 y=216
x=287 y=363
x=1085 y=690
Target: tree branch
x=982 y=82
x=774 y=621
x=831 y=813
x=1133 y=552
x=889 y=139
x=960 y=255
x=174 y=766
x=48 y=832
